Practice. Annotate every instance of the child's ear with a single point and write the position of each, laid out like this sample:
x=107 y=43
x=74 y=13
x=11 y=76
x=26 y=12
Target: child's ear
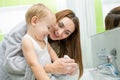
x=34 y=20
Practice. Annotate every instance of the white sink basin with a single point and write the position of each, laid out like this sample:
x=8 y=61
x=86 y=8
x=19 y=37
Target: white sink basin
x=99 y=76
x=91 y=74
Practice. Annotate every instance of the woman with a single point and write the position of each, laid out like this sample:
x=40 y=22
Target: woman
x=112 y=20
x=64 y=38
x=67 y=42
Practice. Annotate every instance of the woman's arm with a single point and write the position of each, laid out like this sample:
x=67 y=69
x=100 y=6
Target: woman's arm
x=32 y=60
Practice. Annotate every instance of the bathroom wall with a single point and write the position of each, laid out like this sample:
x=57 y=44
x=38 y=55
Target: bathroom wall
x=103 y=43
x=11 y=16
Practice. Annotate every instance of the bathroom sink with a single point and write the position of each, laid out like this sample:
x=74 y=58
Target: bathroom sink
x=93 y=74
x=100 y=76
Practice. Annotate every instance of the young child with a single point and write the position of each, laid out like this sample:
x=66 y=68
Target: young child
x=36 y=49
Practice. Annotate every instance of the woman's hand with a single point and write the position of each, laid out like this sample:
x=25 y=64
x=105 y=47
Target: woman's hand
x=73 y=69
x=61 y=66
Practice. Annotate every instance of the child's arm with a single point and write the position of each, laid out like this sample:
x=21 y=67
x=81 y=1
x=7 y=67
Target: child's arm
x=52 y=53
x=31 y=58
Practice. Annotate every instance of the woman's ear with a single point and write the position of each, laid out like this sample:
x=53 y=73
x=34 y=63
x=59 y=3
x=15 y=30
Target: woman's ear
x=34 y=20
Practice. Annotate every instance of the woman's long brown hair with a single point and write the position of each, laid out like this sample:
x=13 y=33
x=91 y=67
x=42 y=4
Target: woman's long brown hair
x=71 y=46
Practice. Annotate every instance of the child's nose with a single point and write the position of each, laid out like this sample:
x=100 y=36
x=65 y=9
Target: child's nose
x=48 y=32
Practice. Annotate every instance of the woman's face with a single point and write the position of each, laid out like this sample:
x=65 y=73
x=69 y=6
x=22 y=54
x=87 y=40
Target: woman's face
x=64 y=28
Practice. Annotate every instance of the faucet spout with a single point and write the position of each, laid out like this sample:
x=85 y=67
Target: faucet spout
x=108 y=69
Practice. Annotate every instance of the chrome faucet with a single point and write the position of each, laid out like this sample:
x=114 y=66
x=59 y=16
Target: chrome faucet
x=109 y=66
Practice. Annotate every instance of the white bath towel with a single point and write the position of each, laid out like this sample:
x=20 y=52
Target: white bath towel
x=12 y=63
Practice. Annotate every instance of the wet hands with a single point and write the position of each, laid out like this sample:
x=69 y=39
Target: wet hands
x=71 y=67
x=65 y=66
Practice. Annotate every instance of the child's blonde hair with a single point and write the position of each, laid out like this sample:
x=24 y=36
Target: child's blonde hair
x=38 y=10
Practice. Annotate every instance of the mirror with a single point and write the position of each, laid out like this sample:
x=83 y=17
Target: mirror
x=107 y=5
x=101 y=10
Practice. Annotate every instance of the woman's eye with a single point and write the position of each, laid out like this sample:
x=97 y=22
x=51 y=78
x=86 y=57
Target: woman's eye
x=60 y=25
x=67 y=33
x=48 y=27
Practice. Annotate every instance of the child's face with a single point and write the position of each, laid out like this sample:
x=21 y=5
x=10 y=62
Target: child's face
x=42 y=26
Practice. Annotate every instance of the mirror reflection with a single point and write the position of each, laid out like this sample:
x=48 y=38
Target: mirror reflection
x=101 y=12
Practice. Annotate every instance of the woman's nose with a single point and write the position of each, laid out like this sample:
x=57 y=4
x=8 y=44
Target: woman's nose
x=59 y=32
